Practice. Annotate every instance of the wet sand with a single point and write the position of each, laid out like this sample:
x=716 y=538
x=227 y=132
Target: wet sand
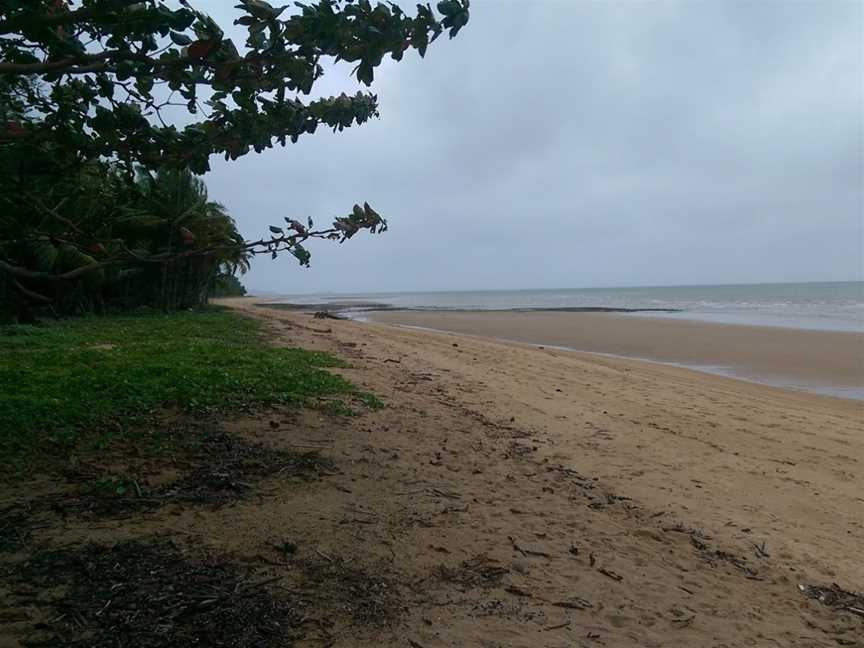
x=829 y=362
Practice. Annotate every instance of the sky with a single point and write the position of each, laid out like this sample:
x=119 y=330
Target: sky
x=568 y=144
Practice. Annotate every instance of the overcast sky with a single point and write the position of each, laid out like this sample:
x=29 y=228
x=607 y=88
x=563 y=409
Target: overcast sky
x=577 y=144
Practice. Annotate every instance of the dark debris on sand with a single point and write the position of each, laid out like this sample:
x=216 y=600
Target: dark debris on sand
x=477 y=572
x=153 y=593
x=341 y=586
x=219 y=469
x=149 y=595
x=222 y=468
x=836 y=598
x=16 y=523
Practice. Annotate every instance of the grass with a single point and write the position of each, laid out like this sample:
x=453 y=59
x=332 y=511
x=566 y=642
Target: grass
x=63 y=384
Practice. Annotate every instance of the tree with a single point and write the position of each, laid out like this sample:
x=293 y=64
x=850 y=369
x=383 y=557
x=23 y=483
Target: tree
x=93 y=85
x=173 y=218
x=108 y=63
x=227 y=285
x=163 y=221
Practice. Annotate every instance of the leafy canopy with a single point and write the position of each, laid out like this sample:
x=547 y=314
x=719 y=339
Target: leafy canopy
x=110 y=68
x=111 y=88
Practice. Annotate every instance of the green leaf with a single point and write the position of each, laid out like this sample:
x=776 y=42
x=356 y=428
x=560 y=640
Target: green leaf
x=365 y=73
x=449 y=7
x=180 y=39
x=125 y=70
x=261 y=9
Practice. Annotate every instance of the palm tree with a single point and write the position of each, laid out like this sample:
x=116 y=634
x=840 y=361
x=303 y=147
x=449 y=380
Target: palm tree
x=160 y=240
x=193 y=237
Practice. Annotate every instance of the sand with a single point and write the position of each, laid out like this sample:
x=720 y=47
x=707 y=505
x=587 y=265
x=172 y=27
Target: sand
x=510 y=486
x=510 y=496
x=827 y=361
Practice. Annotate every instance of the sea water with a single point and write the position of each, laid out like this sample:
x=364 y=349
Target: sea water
x=834 y=306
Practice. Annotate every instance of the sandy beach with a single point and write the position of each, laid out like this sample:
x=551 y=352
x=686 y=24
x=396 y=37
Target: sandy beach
x=503 y=496
x=550 y=336
x=830 y=362
x=539 y=498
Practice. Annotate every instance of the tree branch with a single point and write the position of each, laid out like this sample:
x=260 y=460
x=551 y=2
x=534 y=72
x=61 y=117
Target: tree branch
x=87 y=63
x=24 y=273
x=59 y=18
x=29 y=293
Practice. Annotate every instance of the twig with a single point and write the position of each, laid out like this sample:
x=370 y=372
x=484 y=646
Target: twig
x=575 y=604
x=516 y=547
x=760 y=550
x=441 y=493
x=104 y=607
x=557 y=627
x=611 y=574
x=527 y=552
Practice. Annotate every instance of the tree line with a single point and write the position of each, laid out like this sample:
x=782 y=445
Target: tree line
x=101 y=203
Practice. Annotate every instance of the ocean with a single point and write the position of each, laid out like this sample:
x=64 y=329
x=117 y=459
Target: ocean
x=834 y=306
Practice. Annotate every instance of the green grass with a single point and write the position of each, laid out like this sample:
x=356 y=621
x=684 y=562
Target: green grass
x=63 y=383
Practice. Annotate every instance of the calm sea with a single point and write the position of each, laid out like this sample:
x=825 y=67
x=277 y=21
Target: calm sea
x=836 y=306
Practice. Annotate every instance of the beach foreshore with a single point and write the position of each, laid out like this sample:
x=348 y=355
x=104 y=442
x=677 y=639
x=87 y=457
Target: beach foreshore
x=459 y=491
x=540 y=496
x=828 y=362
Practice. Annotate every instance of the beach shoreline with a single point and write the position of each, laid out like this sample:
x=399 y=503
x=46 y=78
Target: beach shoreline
x=542 y=462
x=820 y=306
x=823 y=362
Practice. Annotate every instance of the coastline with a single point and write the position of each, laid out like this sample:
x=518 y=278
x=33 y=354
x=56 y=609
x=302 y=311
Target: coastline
x=470 y=492
x=824 y=362
x=508 y=479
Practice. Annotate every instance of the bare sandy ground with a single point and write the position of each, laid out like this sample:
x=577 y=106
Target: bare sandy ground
x=546 y=498
x=829 y=361
x=509 y=496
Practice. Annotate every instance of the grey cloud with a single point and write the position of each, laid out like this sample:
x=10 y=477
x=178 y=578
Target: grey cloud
x=569 y=144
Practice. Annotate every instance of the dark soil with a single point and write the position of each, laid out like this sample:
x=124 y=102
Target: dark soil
x=477 y=572
x=366 y=599
x=16 y=523
x=217 y=469
x=148 y=595
x=153 y=593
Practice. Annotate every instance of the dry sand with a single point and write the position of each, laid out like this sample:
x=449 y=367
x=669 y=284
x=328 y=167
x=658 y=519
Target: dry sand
x=831 y=362
x=509 y=496
x=508 y=484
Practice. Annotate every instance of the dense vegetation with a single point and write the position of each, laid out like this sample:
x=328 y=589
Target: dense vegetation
x=160 y=220
x=89 y=380
x=226 y=285
x=97 y=150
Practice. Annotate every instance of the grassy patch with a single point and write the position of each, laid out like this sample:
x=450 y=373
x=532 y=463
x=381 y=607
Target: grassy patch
x=338 y=407
x=370 y=400
x=62 y=382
